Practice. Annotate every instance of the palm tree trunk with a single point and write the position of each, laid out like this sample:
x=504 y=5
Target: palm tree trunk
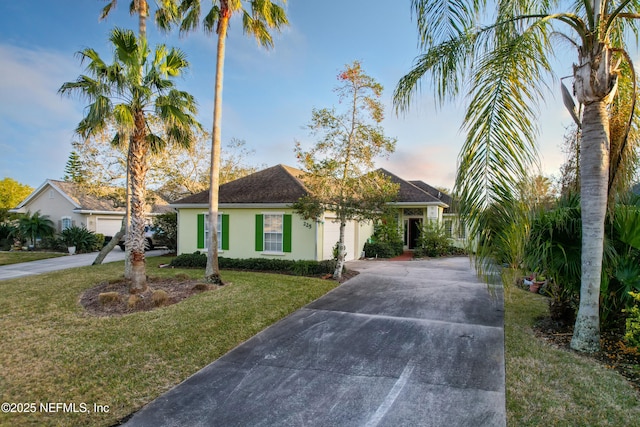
x=212 y=273
x=112 y=243
x=143 y=11
x=594 y=173
x=136 y=238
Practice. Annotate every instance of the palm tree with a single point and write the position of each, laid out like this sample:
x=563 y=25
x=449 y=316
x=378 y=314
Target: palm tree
x=34 y=226
x=140 y=7
x=505 y=64
x=260 y=17
x=119 y=92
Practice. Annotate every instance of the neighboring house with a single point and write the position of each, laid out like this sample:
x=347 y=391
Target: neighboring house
x=255 y=219
x=68 y=205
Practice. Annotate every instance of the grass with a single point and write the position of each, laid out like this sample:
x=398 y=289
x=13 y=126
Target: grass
x=548 y=386
x=16 y=257
x=52 y=351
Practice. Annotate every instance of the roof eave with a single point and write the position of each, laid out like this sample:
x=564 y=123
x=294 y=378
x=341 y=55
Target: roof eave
x=232 y=205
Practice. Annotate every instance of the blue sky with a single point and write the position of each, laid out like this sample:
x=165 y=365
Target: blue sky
x=268 y=95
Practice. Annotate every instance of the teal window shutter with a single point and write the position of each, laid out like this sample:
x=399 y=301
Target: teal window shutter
x=286 y=233
x=259 y=233
x=200 y=231
x=225 y=232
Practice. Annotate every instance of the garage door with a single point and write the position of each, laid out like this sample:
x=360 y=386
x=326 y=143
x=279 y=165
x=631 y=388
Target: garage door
x=108 y=226
x=332 y=235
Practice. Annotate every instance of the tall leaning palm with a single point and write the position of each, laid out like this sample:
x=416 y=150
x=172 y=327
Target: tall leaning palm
x=119 y=92
x=505 y=65
x=258 y=18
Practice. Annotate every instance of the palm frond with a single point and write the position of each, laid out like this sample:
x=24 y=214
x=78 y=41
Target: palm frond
x=257 y=29
x=444 y=20
x=447 y=62
x=500 y=145
x=190 y=13
x=107 y=9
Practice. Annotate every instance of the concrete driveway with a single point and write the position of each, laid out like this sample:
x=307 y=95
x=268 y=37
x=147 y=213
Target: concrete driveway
x=62 y=263
x=413 y=343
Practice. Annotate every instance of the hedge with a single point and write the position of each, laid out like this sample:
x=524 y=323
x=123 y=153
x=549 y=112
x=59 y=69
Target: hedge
x=298 y=268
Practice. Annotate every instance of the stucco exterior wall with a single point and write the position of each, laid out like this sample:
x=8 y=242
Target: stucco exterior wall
x=242 y=232
x=308 y=238
x=50 y=202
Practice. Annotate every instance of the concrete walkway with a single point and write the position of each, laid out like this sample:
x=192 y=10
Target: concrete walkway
x=13 y=271
x=413 y=343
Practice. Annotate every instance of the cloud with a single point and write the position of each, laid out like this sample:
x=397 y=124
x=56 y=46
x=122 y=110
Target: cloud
x=433 y=164
x=36 y=124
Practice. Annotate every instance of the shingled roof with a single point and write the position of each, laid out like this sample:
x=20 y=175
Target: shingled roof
x=282 y=184
x=277 y=184
x=433 y=191
x=409 y=192
x=85 y=202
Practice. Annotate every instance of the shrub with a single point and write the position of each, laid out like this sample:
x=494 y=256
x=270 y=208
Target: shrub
x=53 y=243
x=386 y=241
x=433 y=241
x=382 y=249
x=133 y=301
x=7 y=233
x=194 y=260
x=107 y=298
x=83 y=239
x=159 y=297
x=298 y=268
x=167 y=230
x=632 y=334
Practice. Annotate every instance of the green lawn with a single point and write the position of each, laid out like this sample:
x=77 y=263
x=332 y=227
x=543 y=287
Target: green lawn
x=16 y=257
x=551 y=387
x=53 y=352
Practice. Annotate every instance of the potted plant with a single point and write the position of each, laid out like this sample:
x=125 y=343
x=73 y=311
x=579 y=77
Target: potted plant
x=538 y=281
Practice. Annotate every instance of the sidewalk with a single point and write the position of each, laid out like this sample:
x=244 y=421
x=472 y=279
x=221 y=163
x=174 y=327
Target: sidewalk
x=12 y=271
x=413 y=343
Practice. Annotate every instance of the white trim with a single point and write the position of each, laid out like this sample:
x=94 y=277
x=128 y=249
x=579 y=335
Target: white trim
x=273 y=253
x=90 y=212
x=62 y=227
x=419 y=204
x=281 y=233
x=232 y=205
x=39 y=190
x=206 y=231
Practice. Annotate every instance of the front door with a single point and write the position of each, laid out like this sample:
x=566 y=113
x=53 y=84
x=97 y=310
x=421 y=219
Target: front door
x=415 y=224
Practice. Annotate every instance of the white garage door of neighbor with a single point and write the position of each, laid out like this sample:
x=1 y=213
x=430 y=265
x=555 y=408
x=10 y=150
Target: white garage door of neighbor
x=332 y=235
x=108 y=226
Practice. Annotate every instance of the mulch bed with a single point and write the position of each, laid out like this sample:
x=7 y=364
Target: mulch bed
x=614 y=354
x=177 y=289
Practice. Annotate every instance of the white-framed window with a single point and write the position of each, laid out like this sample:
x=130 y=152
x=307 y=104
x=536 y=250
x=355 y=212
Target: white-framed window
x=448 y=227
x=206 y=231
x=273 y=232
x=65 y=223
